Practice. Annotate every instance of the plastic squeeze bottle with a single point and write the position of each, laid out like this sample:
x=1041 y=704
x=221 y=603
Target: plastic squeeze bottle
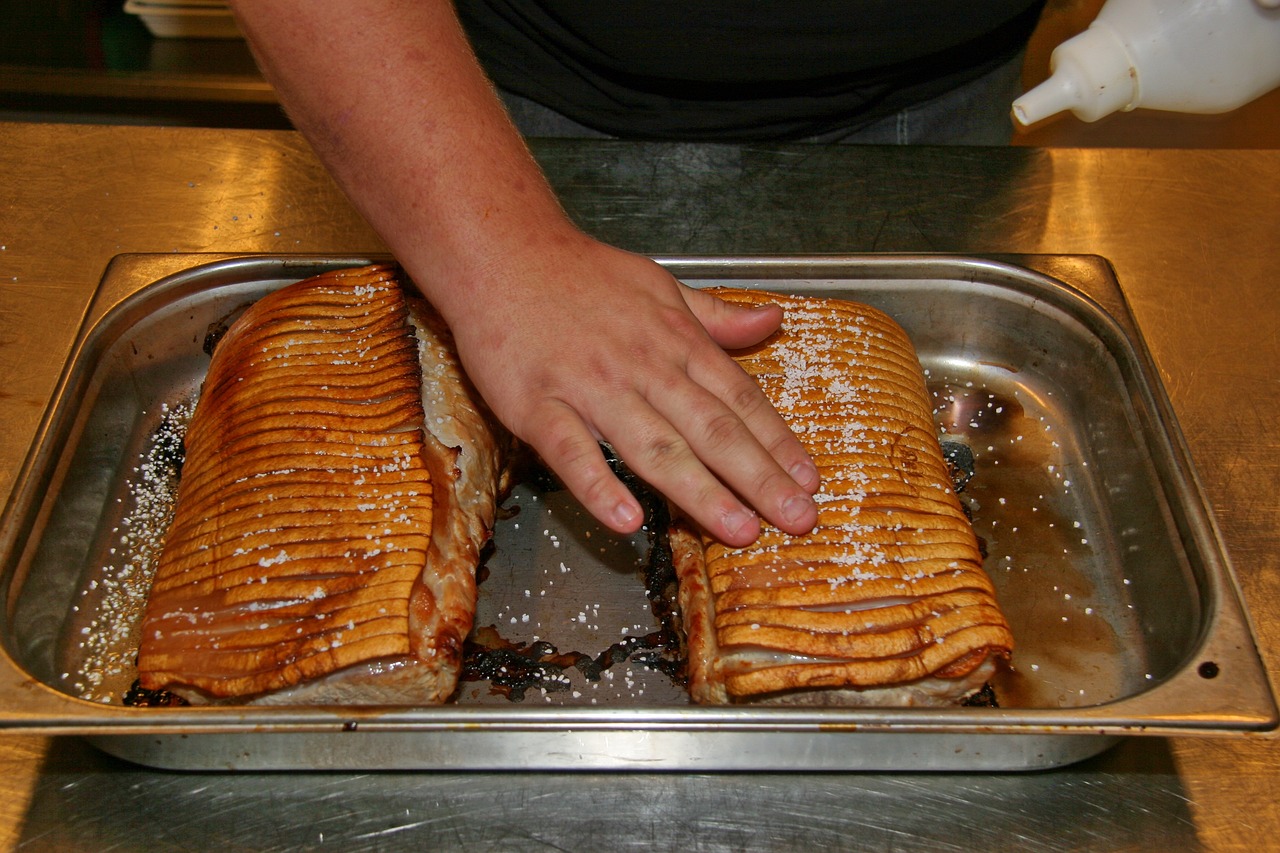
x=1190 y=56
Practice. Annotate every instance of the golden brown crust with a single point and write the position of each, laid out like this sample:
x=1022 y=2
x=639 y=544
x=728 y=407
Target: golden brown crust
x=270 y=575
x=319 y=521
x=887 y=595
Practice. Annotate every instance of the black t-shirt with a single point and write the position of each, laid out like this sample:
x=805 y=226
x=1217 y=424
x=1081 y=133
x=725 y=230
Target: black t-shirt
x=740 y=69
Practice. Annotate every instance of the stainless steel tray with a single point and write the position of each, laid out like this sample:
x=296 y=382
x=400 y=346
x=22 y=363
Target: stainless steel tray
x=1104 y=552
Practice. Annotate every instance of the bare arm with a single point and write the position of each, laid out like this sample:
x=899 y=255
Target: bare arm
x=569 y=340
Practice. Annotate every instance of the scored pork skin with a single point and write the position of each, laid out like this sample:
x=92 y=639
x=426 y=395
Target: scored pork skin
x=886 y=600
x=306 y=560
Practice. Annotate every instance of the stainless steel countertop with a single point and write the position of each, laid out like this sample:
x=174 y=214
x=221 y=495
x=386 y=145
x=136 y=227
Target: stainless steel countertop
x=1192 y=237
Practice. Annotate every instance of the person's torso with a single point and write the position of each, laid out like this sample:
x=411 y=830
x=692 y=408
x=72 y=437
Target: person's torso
x=722 y=67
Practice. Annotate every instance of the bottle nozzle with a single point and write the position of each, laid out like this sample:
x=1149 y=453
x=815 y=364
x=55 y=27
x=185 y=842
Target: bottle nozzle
x=1049 y=98
x=1090 y=74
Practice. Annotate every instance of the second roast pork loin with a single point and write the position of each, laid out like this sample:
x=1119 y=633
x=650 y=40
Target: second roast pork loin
x=885 y=602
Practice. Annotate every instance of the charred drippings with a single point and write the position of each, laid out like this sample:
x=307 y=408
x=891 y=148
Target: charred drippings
x=961 y=466
x=138 y=696
x=664 y=649
x=217 y=330
x=960 y=463
x=513 y=668
x=984 y=698
x=214 y=333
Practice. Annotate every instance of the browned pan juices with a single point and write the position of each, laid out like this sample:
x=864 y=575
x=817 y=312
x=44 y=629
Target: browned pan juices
x=1029 y=498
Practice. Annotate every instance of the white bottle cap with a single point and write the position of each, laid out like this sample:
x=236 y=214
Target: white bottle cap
x=1090 y=74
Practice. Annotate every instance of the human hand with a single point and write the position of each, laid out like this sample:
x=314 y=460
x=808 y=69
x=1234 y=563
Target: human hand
x=570 y=341
x=580 y=342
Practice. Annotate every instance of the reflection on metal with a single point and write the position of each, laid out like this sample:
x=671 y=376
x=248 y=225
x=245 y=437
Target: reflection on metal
x=1190 y=235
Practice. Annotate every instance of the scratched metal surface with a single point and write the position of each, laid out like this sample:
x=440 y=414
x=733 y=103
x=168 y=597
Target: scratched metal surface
x=1191 y=235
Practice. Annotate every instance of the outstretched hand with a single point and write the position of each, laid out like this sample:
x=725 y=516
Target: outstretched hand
x=570 y=341
x=584 y=343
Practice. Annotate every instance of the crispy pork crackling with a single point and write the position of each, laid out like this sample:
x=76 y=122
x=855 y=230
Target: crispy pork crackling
x=341 y=477
x=886 y=601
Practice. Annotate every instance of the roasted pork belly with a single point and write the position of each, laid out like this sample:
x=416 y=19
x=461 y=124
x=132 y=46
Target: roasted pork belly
x=340 y=479
x=886 y=600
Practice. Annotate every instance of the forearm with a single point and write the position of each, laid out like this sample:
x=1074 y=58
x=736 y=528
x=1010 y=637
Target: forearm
x=571 y=342
x=393 y=101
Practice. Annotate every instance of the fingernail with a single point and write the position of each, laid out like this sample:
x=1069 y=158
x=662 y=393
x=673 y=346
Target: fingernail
x=739 y=521
x=796 y=509
x=805 y=473
x=626 y=516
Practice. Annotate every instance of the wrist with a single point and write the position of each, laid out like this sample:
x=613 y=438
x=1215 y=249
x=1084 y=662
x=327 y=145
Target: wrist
x=491 y=258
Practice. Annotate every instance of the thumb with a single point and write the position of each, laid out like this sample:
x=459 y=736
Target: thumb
x=729 y=325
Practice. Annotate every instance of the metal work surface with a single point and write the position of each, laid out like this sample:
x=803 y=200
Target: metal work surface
x=1191 y=238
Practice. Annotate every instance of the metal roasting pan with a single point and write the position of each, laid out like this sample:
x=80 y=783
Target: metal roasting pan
x=1101 y=545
